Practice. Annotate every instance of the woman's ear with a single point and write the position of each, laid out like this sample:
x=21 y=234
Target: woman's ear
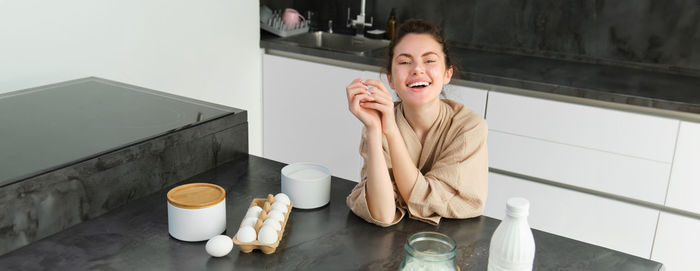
x=391 y=84
x=448 y=75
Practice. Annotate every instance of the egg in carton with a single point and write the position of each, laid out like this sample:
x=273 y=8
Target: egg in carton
x=263 y=225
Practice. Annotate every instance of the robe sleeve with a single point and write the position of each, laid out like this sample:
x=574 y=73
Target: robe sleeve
x=357 y=201
x=457 y=184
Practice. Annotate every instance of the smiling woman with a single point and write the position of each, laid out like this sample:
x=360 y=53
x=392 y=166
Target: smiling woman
x=434 y=150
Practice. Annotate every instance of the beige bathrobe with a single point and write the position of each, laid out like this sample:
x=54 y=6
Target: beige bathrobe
x=453 y=164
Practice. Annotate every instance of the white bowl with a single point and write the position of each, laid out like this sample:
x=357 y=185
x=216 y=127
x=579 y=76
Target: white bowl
x=196 y=211
x=308 y=185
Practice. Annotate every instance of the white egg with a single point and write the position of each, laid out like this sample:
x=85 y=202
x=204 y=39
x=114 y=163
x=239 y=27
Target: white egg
x=268 y=235
x=276 y=215
x=249 y=221
x=219 y=246
x=282 y=197
x=253 y=211
x=280 y=206
x=274 y=223
x=246 y=234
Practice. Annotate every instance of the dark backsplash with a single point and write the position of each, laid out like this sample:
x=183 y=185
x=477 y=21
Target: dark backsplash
x=652 y=35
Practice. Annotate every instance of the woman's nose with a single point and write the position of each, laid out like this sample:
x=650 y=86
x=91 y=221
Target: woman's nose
x=418 y=68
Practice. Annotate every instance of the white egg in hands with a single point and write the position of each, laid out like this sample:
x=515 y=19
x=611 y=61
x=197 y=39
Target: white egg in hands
x=253 y=212
x=276 y=215
x=267 y=235
x=282 y=197
x=219 y=246
x=249 y=221
x=280 y=206
x=274 y=223
x=246 y=234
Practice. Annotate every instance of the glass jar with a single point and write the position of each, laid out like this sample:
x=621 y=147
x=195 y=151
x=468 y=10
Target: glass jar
x=429 y=251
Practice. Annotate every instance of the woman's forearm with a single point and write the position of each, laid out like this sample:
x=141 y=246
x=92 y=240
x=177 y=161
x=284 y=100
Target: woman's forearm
x=379 y=190
x=404 y=169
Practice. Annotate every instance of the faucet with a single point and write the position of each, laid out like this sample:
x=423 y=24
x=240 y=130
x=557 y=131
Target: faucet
x=359 y=23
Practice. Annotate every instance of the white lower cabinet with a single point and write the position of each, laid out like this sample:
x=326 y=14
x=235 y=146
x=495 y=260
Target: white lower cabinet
x=472 y=98
x=684 y=185
x=581 y=216
x=625 y=133
x=582 y=167
x=677 y=243
x=306 y=116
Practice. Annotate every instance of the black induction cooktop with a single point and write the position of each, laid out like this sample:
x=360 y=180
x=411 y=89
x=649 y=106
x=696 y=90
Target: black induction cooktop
x=48 y=127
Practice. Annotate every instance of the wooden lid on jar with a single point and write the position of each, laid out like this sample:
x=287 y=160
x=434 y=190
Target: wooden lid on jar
x=196 y=195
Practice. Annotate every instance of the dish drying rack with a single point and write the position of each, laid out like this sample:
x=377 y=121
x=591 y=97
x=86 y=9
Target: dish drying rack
x=275 y=25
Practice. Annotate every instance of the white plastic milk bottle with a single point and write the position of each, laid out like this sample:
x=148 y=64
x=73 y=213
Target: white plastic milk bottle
x=512 y=245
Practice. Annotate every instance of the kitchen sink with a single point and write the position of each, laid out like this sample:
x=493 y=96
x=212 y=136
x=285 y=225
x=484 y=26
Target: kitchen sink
x=358 y=45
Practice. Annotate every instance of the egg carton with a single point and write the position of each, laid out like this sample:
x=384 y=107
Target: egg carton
x=265 y=204
x=275 y=25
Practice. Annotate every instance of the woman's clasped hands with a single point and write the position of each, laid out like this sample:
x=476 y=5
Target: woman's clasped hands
x=372 y=104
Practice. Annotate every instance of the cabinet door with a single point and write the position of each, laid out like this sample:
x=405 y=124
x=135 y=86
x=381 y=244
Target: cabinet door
x=583 y=167
x=636 y=135
x=472 y=98
x=611 y=151
x=685 y=173
x=677 y=243
x=584 y=217
x=306 y=116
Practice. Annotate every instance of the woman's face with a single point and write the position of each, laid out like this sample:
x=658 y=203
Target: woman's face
x=418 y=69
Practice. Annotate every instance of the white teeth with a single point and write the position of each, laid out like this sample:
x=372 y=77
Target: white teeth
x=416 y=84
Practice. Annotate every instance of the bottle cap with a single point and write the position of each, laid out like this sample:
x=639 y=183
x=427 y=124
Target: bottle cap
x=517 y=207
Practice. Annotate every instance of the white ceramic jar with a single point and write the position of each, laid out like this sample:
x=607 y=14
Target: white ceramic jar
x=196 y=211
x=308 y=185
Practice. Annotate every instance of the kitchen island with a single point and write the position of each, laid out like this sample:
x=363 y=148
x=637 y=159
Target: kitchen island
x=135 y=236
x=73 y=151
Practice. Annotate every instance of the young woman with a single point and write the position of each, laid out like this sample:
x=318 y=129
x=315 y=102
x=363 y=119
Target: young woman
x=423 y=155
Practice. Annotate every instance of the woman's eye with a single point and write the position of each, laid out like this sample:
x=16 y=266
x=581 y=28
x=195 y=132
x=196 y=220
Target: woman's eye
x=404 y=62
x=430 y=61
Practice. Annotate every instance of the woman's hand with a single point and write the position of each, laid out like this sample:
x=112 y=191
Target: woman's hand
x=383 y=103
x=358 y=95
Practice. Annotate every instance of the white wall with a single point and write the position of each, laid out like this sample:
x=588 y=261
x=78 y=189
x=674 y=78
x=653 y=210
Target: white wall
x=207 y=50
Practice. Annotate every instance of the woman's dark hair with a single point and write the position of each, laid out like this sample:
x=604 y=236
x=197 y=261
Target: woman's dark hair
x=417 y=26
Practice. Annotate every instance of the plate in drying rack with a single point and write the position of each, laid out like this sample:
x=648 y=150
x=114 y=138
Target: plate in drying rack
x=275 y=25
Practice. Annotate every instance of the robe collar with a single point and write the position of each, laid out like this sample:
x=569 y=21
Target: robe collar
x=421 y=152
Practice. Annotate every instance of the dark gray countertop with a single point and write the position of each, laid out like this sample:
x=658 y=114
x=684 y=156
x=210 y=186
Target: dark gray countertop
x=135 y=236
x=599 y=82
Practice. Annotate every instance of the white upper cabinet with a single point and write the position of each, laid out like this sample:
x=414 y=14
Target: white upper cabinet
x=624 y=133
x=685 y=175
